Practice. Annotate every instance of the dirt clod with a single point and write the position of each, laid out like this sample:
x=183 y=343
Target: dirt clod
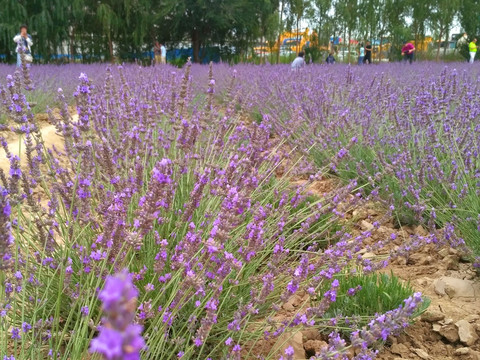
x=313 y=347
x=432 y=316
x=466 y=332
x=450 y=333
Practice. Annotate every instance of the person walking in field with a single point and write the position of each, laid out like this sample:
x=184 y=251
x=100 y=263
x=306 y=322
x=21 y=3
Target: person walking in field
x=368 y=53
x=157 y=51
x=408 y=50
x=472 y=48
x=24 y=42
x=299 y=62
x=361 y=54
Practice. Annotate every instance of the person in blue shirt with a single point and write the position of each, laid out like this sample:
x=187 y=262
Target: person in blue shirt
x=361 y=54
x=330 y=59
x=24 y=42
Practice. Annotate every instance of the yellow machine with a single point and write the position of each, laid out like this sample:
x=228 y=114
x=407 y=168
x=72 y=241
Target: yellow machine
x=423 y=44
x=290 y=41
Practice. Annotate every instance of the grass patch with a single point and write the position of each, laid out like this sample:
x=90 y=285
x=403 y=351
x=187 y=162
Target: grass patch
x=374 y=294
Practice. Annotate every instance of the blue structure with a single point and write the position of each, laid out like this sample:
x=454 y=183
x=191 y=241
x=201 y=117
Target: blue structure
x=336 y=41
x=206 y=54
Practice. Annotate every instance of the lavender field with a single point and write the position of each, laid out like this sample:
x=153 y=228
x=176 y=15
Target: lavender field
x=213 y=212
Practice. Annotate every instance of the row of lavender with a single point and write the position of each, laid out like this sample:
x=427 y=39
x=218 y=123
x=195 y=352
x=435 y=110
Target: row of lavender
x=47 y=80
x=159 y=179
x=411 y=133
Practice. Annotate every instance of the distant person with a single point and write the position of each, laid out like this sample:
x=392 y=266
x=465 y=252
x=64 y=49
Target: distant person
x=472 y=48
x=361 y=54
x=408 y=50
x=163 y=54
x=368 y=53
x=299 y=62
x=157 y=50
x=330 y=59
x=23 y=41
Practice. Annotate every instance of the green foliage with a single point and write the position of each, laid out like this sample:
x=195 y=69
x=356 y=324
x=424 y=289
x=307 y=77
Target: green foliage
x=469 y=16
x=179 y=62
x=378 y=294
x=214 y=22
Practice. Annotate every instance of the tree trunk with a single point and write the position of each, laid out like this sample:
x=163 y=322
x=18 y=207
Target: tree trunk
x=380 y=51
x=417 y=45
x=439 y=43
x=280 y=32
x=349 y=41
x=196 y=45
x=110 y=48
x=298 y=34
x=72 y=45
x=447 y=42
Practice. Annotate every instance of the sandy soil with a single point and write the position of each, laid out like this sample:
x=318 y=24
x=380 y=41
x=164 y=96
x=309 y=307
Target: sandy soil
x=17 y=147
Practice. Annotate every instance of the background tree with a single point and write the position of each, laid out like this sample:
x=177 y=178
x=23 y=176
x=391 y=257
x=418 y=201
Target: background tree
x=296 y=11
x=395 y=12
x=420 y=13
x=128 y=28
x=469 y=16
x=320 y=15
x=442 y=17
x=203 y=21
x=347 y=12
x=14 y=14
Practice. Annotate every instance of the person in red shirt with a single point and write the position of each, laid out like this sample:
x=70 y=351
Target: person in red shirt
x=408 y=51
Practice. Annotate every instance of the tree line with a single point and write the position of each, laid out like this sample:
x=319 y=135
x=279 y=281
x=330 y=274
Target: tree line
x=124 y=29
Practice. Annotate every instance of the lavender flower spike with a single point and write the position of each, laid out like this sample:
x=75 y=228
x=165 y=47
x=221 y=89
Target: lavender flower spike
x=119 y=337
x=6 y=238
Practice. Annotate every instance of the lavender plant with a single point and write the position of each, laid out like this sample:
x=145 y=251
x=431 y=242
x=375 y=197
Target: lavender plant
x=156 y=178
x=412 y=137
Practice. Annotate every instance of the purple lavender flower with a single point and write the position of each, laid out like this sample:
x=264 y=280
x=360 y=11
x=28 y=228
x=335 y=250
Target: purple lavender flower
x=26 y=327
x=118 y=290
x=289 y=352
x=15 y=334
x=6 y=238
x=119 y=338
x=109 y=343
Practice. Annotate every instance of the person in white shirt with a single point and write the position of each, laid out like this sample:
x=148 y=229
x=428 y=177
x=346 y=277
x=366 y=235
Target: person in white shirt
x=299 y=62
x=23 y=41
x=163 y=54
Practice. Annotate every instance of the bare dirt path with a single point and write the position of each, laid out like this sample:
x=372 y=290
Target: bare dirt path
x=16 y=143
